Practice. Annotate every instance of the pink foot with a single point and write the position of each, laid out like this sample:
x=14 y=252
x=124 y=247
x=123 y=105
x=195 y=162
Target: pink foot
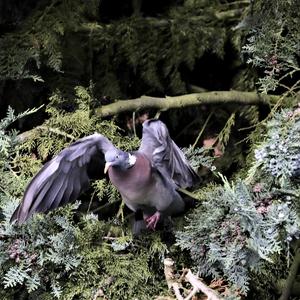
x=152 y=220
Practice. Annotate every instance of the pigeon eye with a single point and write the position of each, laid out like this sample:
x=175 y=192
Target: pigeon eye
x=117 y=156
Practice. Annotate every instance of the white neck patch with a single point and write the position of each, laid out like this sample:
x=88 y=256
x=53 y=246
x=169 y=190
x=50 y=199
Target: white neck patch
x=131 y=159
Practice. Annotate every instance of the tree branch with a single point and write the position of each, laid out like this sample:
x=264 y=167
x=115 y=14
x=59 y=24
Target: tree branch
x=280 y=286
x=175 y=284
x=230 y=14
x=171 y=278
x=292 y=275
x=224 y=15
x=196 y=283
x=195 y=99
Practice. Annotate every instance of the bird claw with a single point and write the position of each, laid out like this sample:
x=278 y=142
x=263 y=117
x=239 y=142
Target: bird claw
x=153 y=220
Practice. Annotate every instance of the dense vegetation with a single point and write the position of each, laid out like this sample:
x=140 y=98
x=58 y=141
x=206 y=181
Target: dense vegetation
x=60 y=60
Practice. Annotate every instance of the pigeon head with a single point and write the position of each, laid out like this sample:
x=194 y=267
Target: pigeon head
x=119 y=159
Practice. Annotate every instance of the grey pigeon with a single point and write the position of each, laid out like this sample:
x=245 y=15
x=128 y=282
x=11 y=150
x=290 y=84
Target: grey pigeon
x=146 y=179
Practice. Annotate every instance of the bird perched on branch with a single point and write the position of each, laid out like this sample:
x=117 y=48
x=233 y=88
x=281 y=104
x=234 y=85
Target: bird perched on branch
x=146 y=179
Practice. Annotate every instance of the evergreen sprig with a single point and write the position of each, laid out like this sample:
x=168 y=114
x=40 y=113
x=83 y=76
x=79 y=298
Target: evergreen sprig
x=65 y=254
x=9 y=139
x=272 y=44
x=229 y=235
x=278 y=154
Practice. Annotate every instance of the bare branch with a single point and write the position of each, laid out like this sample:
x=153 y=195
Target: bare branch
x=175 y=283
x=195 y=99
x=161 y=104
x=196 y=283
x=170 y=278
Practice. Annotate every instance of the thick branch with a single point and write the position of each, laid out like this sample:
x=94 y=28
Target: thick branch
x=220 y=97
x=281 y=284
x=292 y=275
x=207 y=98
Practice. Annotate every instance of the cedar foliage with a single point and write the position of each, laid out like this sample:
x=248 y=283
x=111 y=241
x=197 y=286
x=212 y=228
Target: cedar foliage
x=68 y=253
x=273 y=45
x=255 y=221
x=74 y=53
x=150 y=49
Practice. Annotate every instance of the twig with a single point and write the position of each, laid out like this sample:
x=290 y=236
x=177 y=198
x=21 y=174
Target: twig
x=229 y=14
x=174 y=283
x=121 y=211
x=186 y=128
x=157 y=115
x=5 y=192
x=188 y=193
x=286 y=192
x=202 y=129
x=110 y=238
x=169 y=271
x=192 y=293
x=104 y=206
x=91 y=201
x=196 y=283
x=99 y=293
x=227 y=127
x=241 y=2
x=196 y=89
x=27 y=134
x=170 y=278
x=176 y=289
x=133 y=123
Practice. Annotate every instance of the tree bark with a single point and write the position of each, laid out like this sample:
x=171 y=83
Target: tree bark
x=161 y=104
x=291 y=277
x=195 y=99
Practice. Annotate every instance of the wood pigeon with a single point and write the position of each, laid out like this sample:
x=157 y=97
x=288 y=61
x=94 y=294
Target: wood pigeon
x=146 y=179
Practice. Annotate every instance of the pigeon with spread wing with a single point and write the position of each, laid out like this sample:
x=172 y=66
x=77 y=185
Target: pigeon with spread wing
x=147 y=179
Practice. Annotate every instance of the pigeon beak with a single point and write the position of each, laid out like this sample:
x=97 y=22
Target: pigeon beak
x=107 y=165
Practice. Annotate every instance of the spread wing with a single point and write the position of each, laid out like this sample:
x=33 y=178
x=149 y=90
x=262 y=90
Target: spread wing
x=62 y=179
x=165 y=155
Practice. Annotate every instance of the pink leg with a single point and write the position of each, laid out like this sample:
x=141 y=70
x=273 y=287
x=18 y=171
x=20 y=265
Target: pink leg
x=152 y=220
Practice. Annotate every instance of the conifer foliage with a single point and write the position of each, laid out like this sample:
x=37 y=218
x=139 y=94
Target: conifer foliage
x=74 y=56
x=68 y=253
x=242 y=228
